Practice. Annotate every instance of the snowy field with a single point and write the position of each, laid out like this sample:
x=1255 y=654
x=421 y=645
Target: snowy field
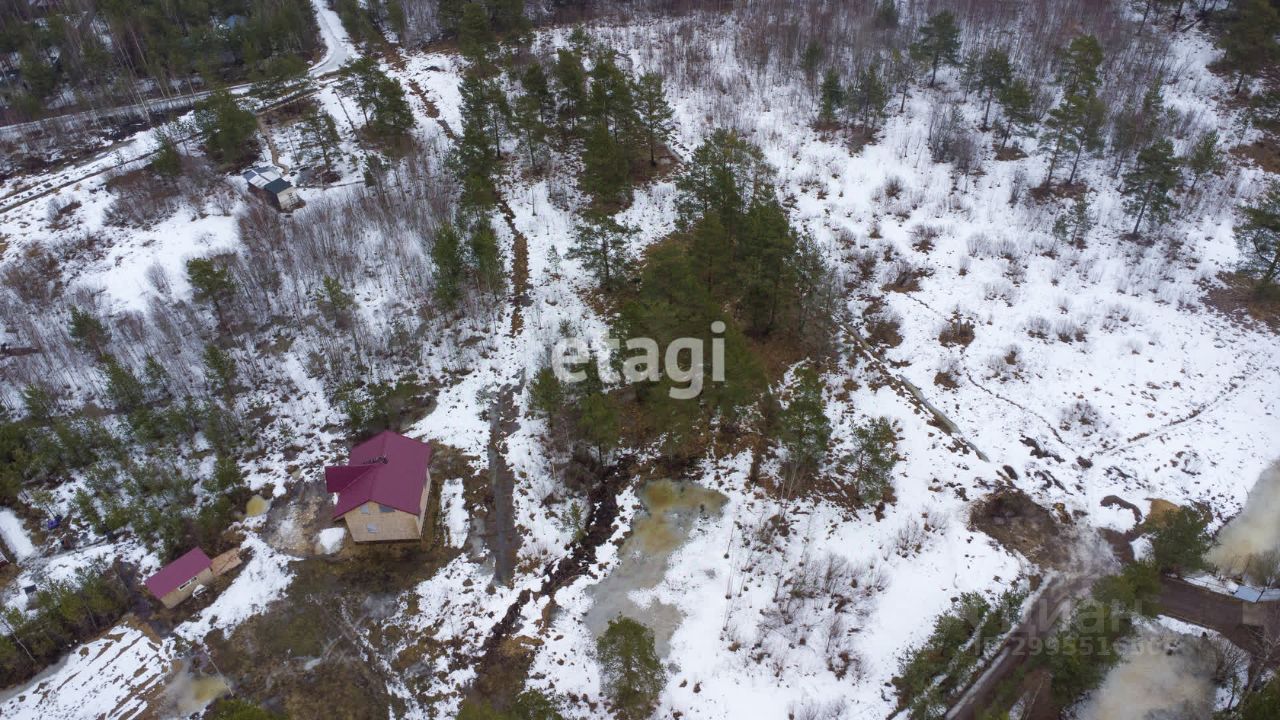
x=1121 y=373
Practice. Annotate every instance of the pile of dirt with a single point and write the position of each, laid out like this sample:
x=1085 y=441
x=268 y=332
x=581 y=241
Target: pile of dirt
x=1015 y=521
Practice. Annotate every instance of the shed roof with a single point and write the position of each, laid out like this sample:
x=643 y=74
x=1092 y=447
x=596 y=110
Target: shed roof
x=178 y=572
x=266 y=177
x=389 y=468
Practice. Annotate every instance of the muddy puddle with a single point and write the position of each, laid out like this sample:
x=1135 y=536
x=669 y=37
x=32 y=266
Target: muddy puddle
x=671 y=511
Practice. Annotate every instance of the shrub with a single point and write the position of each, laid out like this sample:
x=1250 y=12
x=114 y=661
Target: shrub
x=957 y=331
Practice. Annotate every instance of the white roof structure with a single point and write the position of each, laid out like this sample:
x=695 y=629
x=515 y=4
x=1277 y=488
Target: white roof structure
x=262 y=175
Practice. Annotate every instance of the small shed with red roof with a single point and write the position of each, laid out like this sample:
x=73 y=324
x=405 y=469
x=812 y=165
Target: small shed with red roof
x=383 y=490
x=176 y=581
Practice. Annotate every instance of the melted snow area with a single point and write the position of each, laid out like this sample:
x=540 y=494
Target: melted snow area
x=1159 y=395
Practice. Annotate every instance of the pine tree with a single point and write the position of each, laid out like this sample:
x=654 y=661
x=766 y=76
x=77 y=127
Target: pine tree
x=939 y=43
x=609 y=98
x=486 y=256
x=711 y=251
x=474 y=160
x=571 y=86
x=726 y=175
x=226 y=129
x=530 y=114
x=546 y=393
x=220 y=370
x=1080 y=64
x=598 y=422
x=874 y=458
x=446 y=254
x=886 y=17
x=631 y=672
x=380 y=99
x=1077 y=120
x=391 y=118
x=653 y=113
x=804 y=429
x=226 y=474
x=870 y=96
x=507 y=15
x=1258 y=236
x=901 y=73
x=605 y=167
x=1204 y=158
x=476 y=40
x=811 y=57
x=1137 y=127
x=1016 y=102
x=123 y=387
x=356 y=79
x=993 y=74
x=88 y=332
x=1073 y=226
x=832 y=97
x=334 y=302
x=322 y=135
x=1147 y=186
x=1179 y=540
x=211 y=283
x=534 y=83
x=1248 y=38
x=765 y=247
x=601 y=244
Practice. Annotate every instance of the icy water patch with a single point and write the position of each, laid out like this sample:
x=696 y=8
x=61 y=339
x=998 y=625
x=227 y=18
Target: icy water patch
x=256 y=506
x=191 y=693
x=1162 y=673
x=1255 y=532
x=672 y=510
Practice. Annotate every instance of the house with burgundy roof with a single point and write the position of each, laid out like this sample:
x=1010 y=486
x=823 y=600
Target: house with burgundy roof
x=383 y=490
x=176 y=581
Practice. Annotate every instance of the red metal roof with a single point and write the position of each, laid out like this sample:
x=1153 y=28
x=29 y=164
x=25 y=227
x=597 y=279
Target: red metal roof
x=178 y=572
x=390 y=469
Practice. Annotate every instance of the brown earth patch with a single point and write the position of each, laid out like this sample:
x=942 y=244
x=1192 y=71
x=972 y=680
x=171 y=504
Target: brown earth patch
x=1014 y=520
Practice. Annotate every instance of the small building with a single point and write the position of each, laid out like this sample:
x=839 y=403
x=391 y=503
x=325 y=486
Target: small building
x=267 y=183
x=176 y=581
x=383 y=491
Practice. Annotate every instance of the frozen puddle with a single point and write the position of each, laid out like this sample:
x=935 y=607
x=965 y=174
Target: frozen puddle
x=256 y=506
x=672 y=509
x=191 y=693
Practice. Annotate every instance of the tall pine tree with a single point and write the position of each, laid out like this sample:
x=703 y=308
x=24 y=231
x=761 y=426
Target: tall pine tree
x=938 y=44
x=653 y=113
x=1259 y=238
x=1147 y=186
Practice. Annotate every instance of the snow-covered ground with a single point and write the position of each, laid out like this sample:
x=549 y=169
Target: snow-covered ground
x=115 y=676
x=1136 y=386
x=15 y=536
